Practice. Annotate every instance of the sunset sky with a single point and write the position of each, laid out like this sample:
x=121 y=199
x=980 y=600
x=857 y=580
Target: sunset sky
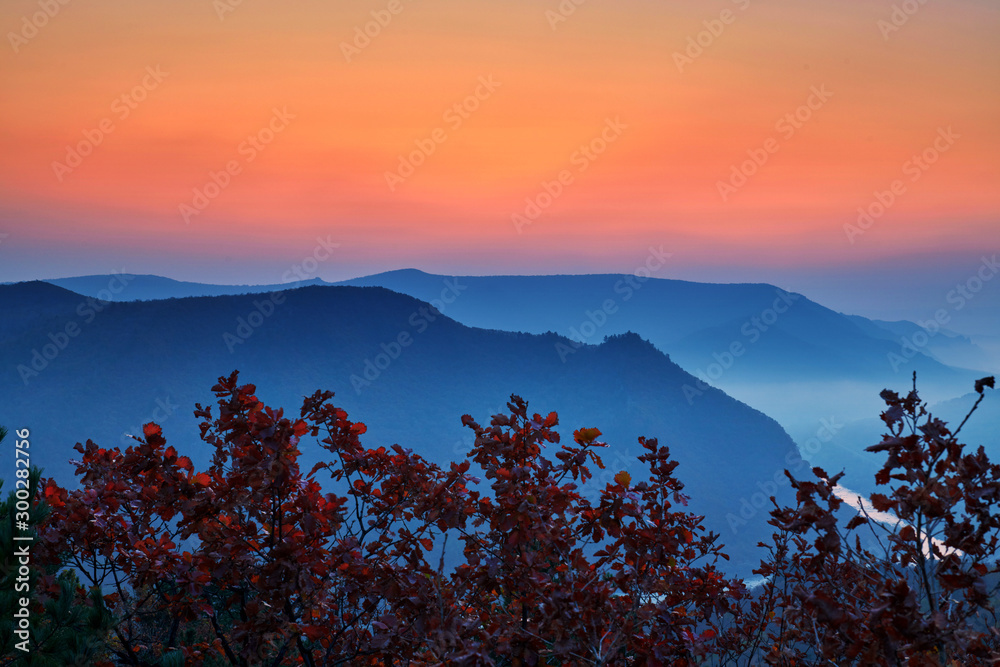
x=181 y=85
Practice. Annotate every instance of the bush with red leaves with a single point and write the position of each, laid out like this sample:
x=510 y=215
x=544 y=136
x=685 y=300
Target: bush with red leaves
x=257 y=562
x=911 y=579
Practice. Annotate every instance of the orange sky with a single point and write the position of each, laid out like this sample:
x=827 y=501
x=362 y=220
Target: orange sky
x=324 y=173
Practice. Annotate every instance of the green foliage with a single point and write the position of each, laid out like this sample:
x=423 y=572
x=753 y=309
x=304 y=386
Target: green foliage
x=68 y=627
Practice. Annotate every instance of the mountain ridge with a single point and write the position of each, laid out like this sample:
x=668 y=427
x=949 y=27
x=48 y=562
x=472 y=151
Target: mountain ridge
x=152 y=361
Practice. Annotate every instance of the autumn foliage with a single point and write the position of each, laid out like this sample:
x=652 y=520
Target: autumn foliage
x=912 y=580
x=258 y=562
x=377 y=556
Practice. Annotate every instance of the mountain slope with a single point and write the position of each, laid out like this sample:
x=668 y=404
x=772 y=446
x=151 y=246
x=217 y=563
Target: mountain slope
x=785 y=355
x=846 y=449
x=782 y=353
x=149 y=288
x=937 y=342
x=32 y=304
x=395 y=364
x=690 y=321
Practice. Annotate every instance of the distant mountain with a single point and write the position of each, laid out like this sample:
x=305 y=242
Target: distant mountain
x=781 y=353
x=396 y=364
x=694 y=322
x=793 y=359
x=846 y=449
x=29 y=305
x=784 y=334
x=127 y=287
x=946 y=346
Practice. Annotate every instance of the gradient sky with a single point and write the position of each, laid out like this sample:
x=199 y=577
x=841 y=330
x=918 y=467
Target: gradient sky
x=656 y=184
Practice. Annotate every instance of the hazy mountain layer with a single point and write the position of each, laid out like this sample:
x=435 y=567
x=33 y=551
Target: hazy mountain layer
x=396 y=364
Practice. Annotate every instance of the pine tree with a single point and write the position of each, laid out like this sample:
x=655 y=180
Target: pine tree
x=67 y=626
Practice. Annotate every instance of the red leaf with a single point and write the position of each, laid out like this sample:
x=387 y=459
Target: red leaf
x=586 y=435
